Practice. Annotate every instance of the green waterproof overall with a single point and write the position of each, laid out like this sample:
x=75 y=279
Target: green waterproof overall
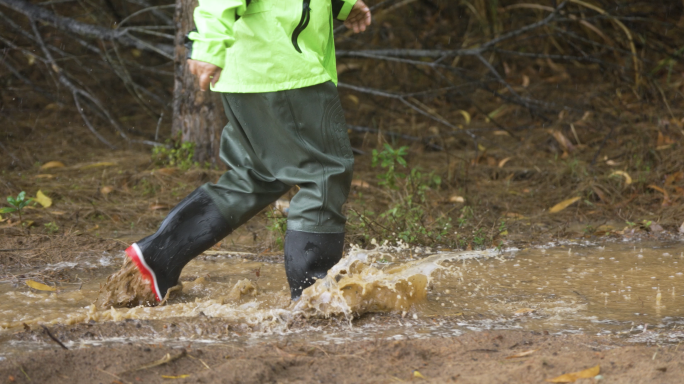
x=276 y=140
x=287 y=126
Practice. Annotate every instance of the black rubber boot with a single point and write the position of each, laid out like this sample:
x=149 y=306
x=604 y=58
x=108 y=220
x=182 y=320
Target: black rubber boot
x=309 y=256
x=191 y=228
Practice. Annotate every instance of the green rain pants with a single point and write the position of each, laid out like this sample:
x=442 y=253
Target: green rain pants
x=277 y=140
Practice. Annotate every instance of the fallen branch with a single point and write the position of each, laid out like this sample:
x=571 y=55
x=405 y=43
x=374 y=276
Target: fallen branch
x=56 y=340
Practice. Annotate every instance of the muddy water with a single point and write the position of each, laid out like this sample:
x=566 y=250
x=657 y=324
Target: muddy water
x=631 y=291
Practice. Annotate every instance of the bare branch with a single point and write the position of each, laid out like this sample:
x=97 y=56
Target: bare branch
x=121 y=36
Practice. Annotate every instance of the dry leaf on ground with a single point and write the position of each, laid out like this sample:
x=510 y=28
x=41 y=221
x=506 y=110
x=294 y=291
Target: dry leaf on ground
x=628 y=178
x=523 y=311
x=360 y=184
x=174 y=377
x=465 y=115
x=563 y=204
x=562 y=140
x=456 y=199
x=572 y=377
x=418 y=375
x=40 y=286
x=100 y=164
x=522 y=354
x=52 y=164
x=156 y=207
x=504 y=161
x=43 y=200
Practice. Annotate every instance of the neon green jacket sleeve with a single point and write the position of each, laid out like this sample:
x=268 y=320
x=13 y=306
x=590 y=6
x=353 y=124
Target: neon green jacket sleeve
x=215 y=21
x=341 y=8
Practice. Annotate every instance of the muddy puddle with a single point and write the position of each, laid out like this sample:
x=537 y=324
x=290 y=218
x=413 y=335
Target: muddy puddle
x=633 y=291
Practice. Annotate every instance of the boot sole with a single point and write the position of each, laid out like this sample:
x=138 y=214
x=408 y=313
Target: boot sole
x=135 y=254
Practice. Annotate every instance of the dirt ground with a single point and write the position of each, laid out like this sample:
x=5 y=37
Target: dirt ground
x=486 y=357
x=624 y=174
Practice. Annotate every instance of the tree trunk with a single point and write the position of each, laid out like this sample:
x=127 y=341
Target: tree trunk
x=197 y=116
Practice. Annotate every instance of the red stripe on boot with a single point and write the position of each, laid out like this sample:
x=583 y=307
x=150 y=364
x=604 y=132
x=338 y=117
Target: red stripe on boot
x=146 y=273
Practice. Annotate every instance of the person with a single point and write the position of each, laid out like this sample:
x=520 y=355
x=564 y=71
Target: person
x=273 y=61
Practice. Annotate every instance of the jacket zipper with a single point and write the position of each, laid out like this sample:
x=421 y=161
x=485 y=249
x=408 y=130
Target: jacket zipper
x=306 y=17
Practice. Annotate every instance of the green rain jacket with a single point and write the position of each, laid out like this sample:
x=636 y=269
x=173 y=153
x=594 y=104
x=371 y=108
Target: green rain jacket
x=268 y=45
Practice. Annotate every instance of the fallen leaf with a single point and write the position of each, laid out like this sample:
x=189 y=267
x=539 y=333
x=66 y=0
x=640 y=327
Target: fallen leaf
x=673 y=178
x=666 y=196
x=58 y=213
x=504 y=161
x=522 y=354
x=628 y=178
x=360 y=184
x=572 y=377
x=563 y=204
x=100 y=164
x=95 y=228
x=418 y=375
x=174 y=377
x=465 y=115
x=501 y=133
x=44 y=176
x=600 y=194
x=664 y=140
x=156 y=207
x=514 y=215
x=562 y=140
x=681 y=228
x=166 y=171
x=346 y=67
x=106 y=190
x=52 y=164
x=612 y=163
x=40 y=286
x=43 y=200
x=456 y=199
x=353 y=99
x=523 y=311
x=526 y=81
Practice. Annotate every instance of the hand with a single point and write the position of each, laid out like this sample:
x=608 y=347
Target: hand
x=359 y=17
x=205 y=72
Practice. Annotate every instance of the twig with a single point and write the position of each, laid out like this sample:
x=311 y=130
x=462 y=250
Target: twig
x=395 y=134
x=75 y=91
x=164 y=360
x=132 y=15
x=56 y=340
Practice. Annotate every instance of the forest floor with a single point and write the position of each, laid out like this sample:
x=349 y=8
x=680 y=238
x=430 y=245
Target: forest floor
x=532 y=190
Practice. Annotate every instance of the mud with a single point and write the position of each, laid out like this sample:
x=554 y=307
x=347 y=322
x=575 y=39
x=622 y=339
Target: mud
x=482 y=357
x=125 y=288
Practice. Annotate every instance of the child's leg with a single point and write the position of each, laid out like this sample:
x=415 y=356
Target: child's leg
x=294 y=137
x=209 y=213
